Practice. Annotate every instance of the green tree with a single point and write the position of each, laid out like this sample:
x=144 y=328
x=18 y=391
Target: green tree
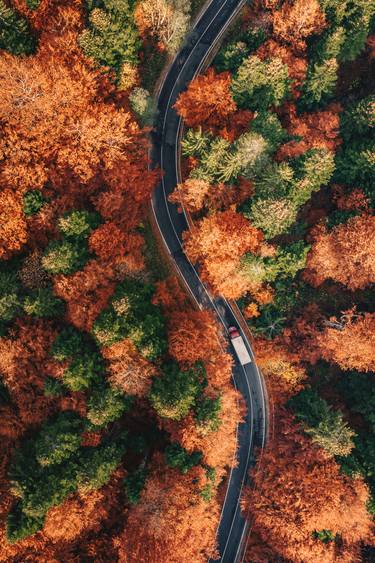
x=134 y=483
x=32 y=4
x=58 y=439
x=207 y=412
x=53 y=387
x=143 y=105
x=106 y=405
x=33 y=201
x=195 y=142
x=272 y=216
x=330 y=44
x=43 y=303
x=176 y=456
x=325 y=426
x=15 y=34
x=173 y=393
x=268 y=125
x=324 y=536
x=112 y=38
x=131 y=314
x=84 y=370
x=69 y=343
x=274 y=181
x=289 y=260
x=259 y=84
x=355 y=165
x=314 y=170
x=78 y=224
x=231 y=56
x=96 y=465
x=65 y=257
x=20 y=526
x=320 y=83
x=358 y=119
x=10 y=295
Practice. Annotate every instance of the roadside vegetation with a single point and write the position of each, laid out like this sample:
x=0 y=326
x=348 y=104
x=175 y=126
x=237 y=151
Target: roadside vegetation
x=278 y=176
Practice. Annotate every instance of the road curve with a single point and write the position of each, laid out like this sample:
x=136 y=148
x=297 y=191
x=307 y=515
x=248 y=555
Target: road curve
x=252 y=432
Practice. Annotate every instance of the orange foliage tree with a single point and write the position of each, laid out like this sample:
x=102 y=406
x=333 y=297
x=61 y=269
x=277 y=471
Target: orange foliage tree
x=128 y=371
x=169 y=517
x=298 y=19
x=13 y=231
x=281 y=368
x=185 y=336
x=299 y=491
x=218 y=242
x=207 y=100
x=346 y=254
x=351 y=345
x=88 y=134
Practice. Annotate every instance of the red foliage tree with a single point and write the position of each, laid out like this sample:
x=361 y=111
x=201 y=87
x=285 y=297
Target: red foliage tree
x=111 y=244
x=317 y=130
x=86 y=292
x=297 y=66
x=185 y=336
x=207 y=100
x=25 y=364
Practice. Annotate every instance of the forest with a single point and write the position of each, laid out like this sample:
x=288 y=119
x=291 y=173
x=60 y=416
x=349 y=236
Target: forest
x=110 y=412
x=278 y=179
x=118 y=427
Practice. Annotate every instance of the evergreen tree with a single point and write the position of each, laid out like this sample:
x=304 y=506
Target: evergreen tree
x=195 y=142
x=96 y=465
x=325 y=426
x=58 y=439
x=320 y=83
x=78 y=224
x=112 y=38
x=259 y=84
x=69 y=343
x=134 y=483
x=15 y=34
x=33 y=201
x=315 y=169
x=10 y=295
x=20 y=526
x=106 y=405
x=84 y=370
x=143 y=105
x=272 y=216
x=207 y=412
x=43 y=303
x=173 y=393
x=65 y=257
x=176 y=456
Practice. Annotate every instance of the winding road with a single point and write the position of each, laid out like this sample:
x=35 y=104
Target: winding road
x=252 y=432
